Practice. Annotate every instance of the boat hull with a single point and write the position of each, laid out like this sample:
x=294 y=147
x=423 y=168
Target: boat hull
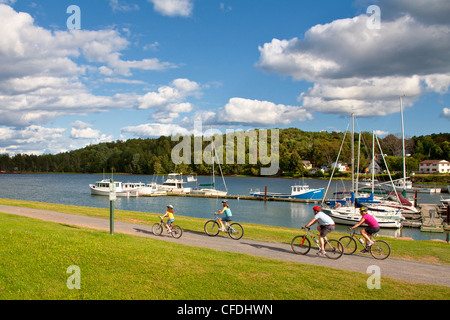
x=209 y=192
x=314 y=194
x=105 y=192
x=353 y=219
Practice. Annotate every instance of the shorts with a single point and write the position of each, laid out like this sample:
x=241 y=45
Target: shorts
x=372 y=230
x=170 y=221
x=226 y=218
x=324 y=230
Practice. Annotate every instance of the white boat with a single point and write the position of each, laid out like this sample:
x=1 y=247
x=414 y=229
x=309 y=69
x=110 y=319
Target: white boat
x=351 y=216
x=212 y=190
x=445 y=202
x=151 y=189
x=128 y=189
x=209 y=192
x=299 y=191
x=174 y=184
x=398 y=202
x=346 y=211
x=403 y=184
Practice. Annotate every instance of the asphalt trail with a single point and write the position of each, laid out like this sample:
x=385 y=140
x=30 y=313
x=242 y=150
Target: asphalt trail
x=412 y=271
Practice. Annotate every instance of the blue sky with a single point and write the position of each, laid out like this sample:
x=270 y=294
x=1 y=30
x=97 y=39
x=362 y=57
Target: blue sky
x=145 y=68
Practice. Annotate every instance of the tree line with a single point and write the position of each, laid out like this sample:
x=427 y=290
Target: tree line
x=153 y=155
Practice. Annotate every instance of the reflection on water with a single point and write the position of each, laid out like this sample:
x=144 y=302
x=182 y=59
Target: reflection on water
x=73 y=189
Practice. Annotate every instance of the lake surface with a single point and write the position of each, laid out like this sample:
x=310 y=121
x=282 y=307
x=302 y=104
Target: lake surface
x=73 y=189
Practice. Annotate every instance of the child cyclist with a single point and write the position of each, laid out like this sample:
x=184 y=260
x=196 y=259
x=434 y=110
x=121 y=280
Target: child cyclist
x=171 y=217
x=228 y=215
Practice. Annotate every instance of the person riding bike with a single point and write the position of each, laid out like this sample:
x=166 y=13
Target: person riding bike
x=372 y=227
x=326 y=225
x=228 y=214
x=171 y=217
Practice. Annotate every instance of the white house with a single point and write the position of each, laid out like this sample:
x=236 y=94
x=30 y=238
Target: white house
x=340 y=167
x=434 y=166
x=307 y=164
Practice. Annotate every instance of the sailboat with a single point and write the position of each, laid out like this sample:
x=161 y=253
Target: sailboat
x=348 y=213
x=210 y=189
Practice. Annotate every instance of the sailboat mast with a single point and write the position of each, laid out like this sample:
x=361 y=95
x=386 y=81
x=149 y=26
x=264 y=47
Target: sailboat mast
x=353 y=152
x=403 y=144
x=373 y=162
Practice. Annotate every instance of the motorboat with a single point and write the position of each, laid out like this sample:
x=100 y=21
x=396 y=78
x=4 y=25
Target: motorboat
x=174 y=184
x=151 y=189
x=299 y=191
x=103 y=188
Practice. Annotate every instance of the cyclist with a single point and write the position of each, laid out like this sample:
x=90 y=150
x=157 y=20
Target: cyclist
x=171 y=217
x=372 y=227
x=326 y=225
x=228 y=215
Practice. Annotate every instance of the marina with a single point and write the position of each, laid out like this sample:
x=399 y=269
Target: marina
x=73 y=189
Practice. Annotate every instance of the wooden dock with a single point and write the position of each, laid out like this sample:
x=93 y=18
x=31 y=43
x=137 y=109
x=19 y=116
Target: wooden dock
x=244 y=197
x=431 y=220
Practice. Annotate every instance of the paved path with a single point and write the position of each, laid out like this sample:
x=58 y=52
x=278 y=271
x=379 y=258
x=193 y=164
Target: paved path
x=393 y=268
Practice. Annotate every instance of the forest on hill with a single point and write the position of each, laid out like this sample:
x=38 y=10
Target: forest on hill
x=154 y=155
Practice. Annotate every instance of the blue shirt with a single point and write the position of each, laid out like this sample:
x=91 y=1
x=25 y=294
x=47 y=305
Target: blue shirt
x=228 y=212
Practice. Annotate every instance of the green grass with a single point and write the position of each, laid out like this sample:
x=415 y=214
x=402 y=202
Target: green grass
x=34 y=257
x=425 y=251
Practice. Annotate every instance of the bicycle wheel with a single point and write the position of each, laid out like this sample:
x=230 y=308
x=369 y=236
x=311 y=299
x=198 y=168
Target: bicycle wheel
x=176 y=231
x=157 y=229
x=300 y=245
x=212 y=228
x=349 y=244
x=235 y=231
x=334 y=249
x=380 y=250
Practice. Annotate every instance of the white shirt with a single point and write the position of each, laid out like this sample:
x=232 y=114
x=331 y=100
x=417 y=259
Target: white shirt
x=323 y=219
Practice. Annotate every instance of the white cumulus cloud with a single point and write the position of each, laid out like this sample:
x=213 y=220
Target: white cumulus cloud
x=239 y=110
x=354 y=68
x=173 y=8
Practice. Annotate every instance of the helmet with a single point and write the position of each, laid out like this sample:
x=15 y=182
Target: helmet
x=363 y=209
x=170 y=206
x=317 y=208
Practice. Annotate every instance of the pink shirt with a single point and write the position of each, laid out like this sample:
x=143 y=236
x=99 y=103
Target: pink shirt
x=370 y=221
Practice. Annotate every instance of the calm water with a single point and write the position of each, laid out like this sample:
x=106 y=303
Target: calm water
x=73 y=189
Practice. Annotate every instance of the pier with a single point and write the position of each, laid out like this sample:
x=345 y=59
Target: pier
x=245 y=197
x=431 y=220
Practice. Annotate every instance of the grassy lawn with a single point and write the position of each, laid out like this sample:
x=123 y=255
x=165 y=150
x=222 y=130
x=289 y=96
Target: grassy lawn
x=425 y=251
x=35 y=255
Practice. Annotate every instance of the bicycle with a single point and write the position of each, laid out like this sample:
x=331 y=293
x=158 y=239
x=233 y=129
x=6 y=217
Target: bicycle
x=176 y=231
x=380 y=250
x=234 y=230
x=301 y=245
